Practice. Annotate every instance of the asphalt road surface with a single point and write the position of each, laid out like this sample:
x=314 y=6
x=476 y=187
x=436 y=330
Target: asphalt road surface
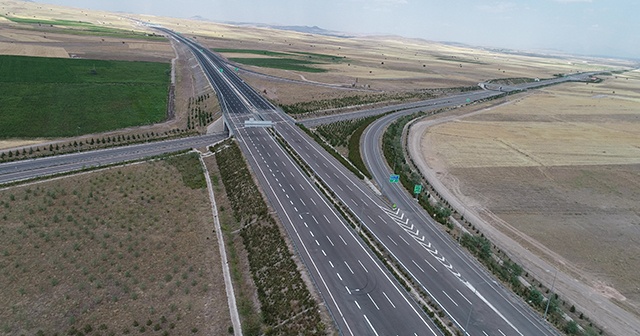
x=27 y=169
x=361 y=295
x=472 y=298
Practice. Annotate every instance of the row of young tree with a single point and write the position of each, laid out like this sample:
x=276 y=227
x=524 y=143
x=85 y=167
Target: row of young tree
x=494 y=259
x=87 y=144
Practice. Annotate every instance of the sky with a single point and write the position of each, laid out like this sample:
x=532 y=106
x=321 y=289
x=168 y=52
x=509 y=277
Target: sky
x=582 y=27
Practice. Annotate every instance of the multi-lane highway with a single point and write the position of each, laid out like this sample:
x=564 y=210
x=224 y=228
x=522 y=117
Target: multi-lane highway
x=361 y=295
x=475 y=302
x=471 y=298
x=27 y=169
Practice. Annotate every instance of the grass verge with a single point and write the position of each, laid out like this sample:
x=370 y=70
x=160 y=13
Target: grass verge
x=332 y=151
x=473 y=240
x=287 y=306
x=357 y=101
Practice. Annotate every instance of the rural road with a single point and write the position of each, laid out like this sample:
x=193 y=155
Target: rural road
x=599 y=308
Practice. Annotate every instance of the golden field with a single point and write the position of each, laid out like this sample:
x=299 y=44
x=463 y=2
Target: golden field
x=562 y=166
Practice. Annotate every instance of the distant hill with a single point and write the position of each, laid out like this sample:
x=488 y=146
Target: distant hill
x=300 y=29
x=312 y=30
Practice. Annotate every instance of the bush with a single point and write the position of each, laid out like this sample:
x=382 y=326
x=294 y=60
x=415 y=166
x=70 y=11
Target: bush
x=189 y=166
x=281 y=291
x=571 y=328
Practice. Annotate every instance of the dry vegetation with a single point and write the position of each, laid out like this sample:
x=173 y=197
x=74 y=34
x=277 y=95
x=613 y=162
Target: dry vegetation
x=61 y=41
x=561 y=166
x=287 y=305
x=126 y=250
x=370 y=64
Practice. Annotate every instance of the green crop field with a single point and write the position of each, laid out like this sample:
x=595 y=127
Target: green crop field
x=48 y=22
x=54 y=97
x=307 y=55
x=295 y=60
x=82 y=28
x=324 y=57
x=280 y=63
x=249 y=51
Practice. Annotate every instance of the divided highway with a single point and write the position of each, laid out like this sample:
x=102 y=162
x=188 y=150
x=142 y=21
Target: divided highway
x=472 y=298
x=361 y=295
x=28 y=169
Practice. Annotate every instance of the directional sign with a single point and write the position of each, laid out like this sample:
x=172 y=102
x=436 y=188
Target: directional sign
x=236 y=69
x=393 y=178
x=417 y=189
x=221 y=70
x=468 y=100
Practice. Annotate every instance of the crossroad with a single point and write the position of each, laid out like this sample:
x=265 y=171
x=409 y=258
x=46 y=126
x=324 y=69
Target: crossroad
x=473 y=300
x=360 y=293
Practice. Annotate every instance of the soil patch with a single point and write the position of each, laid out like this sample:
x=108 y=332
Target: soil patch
x=557 y=172
x=122 y=250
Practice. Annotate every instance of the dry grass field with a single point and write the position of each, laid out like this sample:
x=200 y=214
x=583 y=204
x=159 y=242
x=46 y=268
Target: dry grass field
x=562 y=166
x=383 y=63
x=66 y=41
x=125 y=250
x=366 y=64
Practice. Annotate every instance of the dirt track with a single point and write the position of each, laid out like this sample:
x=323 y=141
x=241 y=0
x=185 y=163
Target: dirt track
x=536 y=258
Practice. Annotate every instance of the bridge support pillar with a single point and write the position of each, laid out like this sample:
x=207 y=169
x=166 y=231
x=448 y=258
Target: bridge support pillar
x=225 y=125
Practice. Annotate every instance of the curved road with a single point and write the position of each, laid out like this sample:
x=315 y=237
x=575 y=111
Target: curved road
x=359 y=292
x=490 y=304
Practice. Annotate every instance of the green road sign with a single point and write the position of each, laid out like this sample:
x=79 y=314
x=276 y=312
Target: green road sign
x=221 y=70
x=393 y=178
x=417 y=189
x=236 y=69
x=468 y=100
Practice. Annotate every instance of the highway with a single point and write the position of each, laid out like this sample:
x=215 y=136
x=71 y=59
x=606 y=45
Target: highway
x=361 y=295
x=449 y=101
x=32 y=168
x=469 y=296
x=472 y=298
x=477 y=303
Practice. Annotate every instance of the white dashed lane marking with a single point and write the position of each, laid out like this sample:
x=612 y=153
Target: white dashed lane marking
x=385 y=295
x=350 y=270
x=365 y=269
x=330 y=242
